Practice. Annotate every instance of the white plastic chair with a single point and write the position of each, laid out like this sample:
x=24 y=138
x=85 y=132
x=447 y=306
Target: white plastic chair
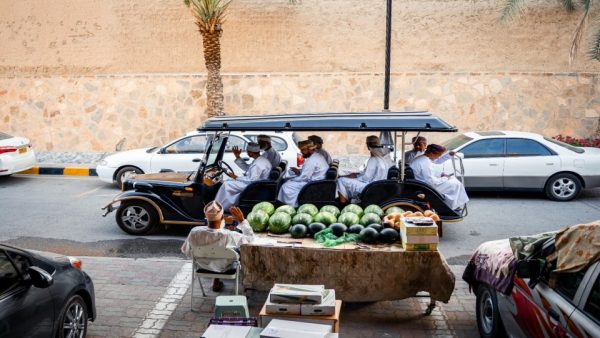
x=214 y=252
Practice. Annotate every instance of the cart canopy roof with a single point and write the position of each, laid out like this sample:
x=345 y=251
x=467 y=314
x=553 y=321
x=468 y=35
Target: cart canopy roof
x=367 y=121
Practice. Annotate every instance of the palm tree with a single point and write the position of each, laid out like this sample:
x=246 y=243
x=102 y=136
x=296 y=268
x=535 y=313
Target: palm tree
x=512 y=7
x=210 y=15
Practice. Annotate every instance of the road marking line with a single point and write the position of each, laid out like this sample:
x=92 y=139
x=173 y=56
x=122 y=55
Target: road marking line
x=155 y=319
x=86 y=193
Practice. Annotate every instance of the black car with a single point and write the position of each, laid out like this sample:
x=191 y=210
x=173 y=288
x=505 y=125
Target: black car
x=43 y=294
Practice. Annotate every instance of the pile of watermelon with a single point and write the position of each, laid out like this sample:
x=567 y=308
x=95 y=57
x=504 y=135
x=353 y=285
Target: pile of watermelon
x=308 y=220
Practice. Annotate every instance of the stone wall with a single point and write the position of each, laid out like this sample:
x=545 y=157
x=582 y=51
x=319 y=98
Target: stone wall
x=93 y=113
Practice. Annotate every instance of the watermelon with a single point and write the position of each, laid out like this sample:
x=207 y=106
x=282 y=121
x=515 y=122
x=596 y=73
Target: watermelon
x=298 y=231
x=266 y=207
x=286 y=208
x=369 y=235
x=310 y=209
x=280 y=222
x=348 y=218
x=325 y=218
x=315 y=227
x=394 y=210
x=338 y=229
x=355 y=229
x=258 y=220
x=375 y=209
x=353 y=208
x=388 y=235
x=370 y=218
x=302 y=218
x=376 y=226
x=331 y=209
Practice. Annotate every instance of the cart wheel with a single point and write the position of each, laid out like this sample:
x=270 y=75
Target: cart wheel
x=136 y=217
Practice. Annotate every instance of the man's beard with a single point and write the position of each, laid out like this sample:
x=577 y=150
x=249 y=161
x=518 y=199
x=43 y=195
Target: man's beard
x=306 y=155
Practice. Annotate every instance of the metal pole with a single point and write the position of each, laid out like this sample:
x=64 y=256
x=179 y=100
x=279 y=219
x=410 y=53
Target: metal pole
x=388 y=37
x=402 y=164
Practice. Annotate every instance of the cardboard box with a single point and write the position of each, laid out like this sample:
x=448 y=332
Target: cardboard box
x=278 y=328
x=285 y=308
x=411 y=229
x=226 y=331
x=325 y=308
x=297 y=293
x=421 y=239
x=333 y=321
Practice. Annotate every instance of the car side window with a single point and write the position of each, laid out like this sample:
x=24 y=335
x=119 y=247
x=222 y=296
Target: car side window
x=195 y=144
x=592 y=306
x=525 y=147
x=9 y=276
x=484 y=148
x=235 y=141
x=568 y=283
x=278 y=143
x=21 y=262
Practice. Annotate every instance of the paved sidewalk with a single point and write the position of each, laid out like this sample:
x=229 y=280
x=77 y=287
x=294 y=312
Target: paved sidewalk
x=151 y=298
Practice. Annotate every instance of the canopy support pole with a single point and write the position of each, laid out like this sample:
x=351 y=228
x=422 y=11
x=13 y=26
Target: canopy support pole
x=402 y=164
x=388 y=37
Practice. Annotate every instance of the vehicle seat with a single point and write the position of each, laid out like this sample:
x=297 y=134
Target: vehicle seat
x=393 y=173
x=260 y=191
x=283 y=165
x=378 y=192
x=409 y=174
x=321 y=192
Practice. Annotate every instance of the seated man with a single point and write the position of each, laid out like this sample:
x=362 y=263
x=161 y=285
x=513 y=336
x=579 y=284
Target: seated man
x=450 y=187
x=420 y=144
x=230 y=191
x=216 y=235
x=268 y=151
x=314 y=168
x=350 y=186
x=318 y=141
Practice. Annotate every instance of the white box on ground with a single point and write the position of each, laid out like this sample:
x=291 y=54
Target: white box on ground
x=282 y=308
x=225 y=331
x=325 y=308
x=279 y=328
x=297 y=293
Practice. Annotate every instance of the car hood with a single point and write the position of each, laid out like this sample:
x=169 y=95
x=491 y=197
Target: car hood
x=127 y=155
x=591 y=151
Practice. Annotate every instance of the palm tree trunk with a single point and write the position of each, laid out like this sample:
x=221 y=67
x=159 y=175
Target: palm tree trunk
x=214 y=85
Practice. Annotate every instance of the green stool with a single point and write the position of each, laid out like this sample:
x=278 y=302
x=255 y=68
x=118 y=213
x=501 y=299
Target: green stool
x=231 y=306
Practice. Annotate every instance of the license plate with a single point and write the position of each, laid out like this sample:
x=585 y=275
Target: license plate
x=22 y=150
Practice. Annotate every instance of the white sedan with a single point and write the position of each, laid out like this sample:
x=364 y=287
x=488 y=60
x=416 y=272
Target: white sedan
x=510 y=160
x=16 y=154
x=178 y=155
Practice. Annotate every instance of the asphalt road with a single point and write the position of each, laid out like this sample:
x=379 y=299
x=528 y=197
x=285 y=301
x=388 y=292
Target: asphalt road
x=63 y=214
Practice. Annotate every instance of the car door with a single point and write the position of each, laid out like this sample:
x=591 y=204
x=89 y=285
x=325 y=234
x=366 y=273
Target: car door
x=528 y=164
x=179 y=155
x=25 y=311
x=585 y=320
x=484 y=163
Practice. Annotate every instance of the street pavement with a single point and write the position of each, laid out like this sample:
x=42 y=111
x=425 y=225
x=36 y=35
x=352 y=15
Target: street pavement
x=150 y=297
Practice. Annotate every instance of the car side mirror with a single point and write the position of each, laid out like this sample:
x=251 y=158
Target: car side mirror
x=532 y=269
x=461 y=155
x=39 y=277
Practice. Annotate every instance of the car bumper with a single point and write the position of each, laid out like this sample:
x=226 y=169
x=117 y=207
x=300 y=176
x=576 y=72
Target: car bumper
x=592 y=181
x=106 y=173
x=10 y=164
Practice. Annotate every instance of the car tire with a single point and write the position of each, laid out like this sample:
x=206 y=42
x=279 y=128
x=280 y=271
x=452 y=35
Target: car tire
x=489 y=322
x=73 y=319
x=124 y=172
x=136 y=217
x=563 y=187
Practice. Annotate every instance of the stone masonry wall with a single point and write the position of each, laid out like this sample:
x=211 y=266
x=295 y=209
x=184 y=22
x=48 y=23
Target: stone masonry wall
x=93 y=113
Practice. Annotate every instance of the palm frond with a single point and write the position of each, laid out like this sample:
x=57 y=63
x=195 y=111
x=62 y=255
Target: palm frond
x=586 y=4
x=579 y=33
x=569 y=5
x=209 y=14
x=594 y=51
x=510 y=8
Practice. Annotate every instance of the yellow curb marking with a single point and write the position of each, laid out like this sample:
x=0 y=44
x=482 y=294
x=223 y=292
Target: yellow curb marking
x=76 y=171
x=32 y=171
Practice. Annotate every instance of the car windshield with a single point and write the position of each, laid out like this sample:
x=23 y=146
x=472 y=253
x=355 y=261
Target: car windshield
x=4 y=136
x=565 y=145
x=214 y=151
x=456 y=142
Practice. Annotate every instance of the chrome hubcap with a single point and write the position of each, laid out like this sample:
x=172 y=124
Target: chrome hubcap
x=563 y=187
x=135 y=217
x=486 y=311
x=75 y=322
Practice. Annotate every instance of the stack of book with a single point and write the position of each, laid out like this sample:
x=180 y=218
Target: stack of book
x=419 y=234
x=298 y=299
x=278 y=328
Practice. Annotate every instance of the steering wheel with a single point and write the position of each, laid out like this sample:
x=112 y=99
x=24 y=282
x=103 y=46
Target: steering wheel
x=221 y=167
x=225 y=168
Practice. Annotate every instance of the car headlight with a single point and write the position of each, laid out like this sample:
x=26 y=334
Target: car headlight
x=104 y=163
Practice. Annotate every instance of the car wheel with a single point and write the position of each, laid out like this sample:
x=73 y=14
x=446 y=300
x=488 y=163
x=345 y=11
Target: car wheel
x=136 y=217
x=73 y=319
x=489 y=322
x=563 y=187
x=124 y=173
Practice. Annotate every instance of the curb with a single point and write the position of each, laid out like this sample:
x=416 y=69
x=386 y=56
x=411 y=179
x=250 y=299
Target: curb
x=67 y=171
